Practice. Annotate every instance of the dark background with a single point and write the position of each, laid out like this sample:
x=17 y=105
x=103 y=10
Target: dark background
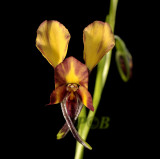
x=33 y=127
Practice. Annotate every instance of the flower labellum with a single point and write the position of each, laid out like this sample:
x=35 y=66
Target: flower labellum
x=71 y=76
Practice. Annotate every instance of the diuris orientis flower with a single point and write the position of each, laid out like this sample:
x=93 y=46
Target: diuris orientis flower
x=71 y=76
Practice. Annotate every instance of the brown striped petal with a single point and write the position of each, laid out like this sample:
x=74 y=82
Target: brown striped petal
x=58 y=95
x=71 y=71
x=85 y=97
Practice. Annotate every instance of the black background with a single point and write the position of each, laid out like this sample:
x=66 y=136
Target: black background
x=32 y=127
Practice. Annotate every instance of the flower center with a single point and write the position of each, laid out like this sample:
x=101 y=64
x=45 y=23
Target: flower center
x=72 y=87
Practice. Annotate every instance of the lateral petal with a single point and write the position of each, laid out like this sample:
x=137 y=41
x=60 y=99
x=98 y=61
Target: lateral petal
x=85 y=97
x=58 y=95
x=52 y=41
x=98 y=39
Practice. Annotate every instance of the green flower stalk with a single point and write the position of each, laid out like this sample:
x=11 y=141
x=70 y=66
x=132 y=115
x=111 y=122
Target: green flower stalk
x=102 y=72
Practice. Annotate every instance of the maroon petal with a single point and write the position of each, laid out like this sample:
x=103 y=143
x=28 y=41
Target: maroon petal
x=58 y=94
x=85 y=97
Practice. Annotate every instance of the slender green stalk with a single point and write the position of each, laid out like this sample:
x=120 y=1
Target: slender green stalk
x=102 y=72
x=81 y=122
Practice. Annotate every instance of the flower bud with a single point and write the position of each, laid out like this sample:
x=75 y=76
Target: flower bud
x=123 y=60
x=127 y=72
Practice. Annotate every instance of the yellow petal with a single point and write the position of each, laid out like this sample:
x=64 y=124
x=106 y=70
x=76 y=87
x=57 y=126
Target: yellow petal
x=52 y=41
x=98 y=39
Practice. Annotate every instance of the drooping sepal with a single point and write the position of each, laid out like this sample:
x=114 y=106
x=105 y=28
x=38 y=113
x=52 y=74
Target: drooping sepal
x=98 y=39
x=52 y=41
x=71 y=125
x=65 y=129
x=63 y=132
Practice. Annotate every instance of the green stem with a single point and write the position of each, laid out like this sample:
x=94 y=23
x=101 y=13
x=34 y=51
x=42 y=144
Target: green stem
x=81 y=121
x=102 y=73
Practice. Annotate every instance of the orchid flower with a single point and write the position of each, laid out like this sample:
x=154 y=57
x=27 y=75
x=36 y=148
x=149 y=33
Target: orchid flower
x=71 y=76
